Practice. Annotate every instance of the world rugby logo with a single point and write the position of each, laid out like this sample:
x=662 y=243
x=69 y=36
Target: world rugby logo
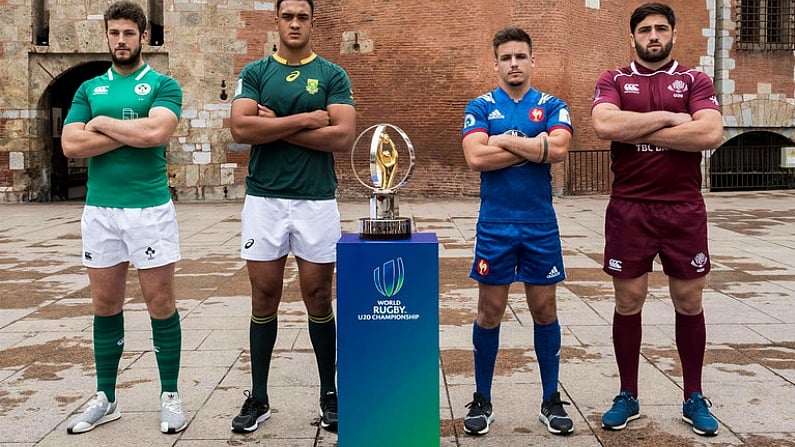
x=388 y=279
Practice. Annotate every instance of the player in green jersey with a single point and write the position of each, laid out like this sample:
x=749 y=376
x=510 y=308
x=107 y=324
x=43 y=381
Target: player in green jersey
x=121 y=121
x=295 y=109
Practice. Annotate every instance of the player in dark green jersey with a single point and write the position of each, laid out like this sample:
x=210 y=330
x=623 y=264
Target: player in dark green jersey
x=121 y=121
x=295 y=109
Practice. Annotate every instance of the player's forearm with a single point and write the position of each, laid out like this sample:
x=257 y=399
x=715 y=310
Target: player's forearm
x=542 y=148
x=77 y=142
x=694 y=136
x=325 y=139
x=251 y=129
x=490 y=158
x=626 y=127
x=141 y=132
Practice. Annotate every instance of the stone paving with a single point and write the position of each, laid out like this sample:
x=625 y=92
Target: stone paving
x=46 y=361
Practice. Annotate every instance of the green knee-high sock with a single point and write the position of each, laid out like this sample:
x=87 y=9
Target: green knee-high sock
x=167 y=340
x=323 y=334
x=108 y=347
x=262 y=338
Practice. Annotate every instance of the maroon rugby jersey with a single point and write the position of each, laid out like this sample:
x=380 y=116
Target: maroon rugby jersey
x=644 y=171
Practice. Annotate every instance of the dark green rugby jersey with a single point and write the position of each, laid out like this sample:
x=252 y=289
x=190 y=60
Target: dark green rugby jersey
x=280 y=169
x=127 y=177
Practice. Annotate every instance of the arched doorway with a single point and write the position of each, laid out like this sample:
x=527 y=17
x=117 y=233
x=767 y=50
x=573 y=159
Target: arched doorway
x=751 y=162
x=68 y=176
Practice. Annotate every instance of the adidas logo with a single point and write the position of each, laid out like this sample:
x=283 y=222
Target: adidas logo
x=496 y=115
x=553 y=273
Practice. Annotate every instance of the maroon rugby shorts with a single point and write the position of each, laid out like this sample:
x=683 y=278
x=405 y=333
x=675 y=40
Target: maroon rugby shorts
x=637 y=231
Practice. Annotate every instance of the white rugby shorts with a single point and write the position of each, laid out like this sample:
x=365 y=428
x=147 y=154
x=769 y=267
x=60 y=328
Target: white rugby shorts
x=271 y=228
x=146 y=237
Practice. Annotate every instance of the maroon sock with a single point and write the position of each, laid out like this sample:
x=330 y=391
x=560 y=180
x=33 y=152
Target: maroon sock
x=627 y=334
x=691 y=341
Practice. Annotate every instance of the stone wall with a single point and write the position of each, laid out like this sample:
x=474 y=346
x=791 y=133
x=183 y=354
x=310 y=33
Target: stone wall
x=412 y=64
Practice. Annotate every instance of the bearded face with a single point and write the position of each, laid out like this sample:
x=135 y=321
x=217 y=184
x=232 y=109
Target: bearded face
x=653 y=51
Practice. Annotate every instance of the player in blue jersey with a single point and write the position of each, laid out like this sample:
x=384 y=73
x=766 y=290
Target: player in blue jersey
x=511 y=135
x=121 y=121
x=296 y=109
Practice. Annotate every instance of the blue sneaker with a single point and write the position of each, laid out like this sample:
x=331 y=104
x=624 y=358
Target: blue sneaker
x=695 y=411
x=625 y=408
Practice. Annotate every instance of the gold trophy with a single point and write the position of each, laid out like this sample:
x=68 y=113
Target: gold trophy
x=385 y=222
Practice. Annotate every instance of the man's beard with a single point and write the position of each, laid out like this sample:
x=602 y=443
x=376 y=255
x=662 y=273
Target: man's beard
x=648 y=56
x=131 y=61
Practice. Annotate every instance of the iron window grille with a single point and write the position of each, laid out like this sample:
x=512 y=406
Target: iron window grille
x=765 y=25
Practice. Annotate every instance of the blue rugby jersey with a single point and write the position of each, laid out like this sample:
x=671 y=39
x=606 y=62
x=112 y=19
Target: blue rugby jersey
x=522 y=192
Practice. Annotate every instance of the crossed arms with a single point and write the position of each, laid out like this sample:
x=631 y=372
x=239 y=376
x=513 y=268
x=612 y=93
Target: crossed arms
x=103 y=134
x=329 y=130
x=678 y=131
x=489 y=153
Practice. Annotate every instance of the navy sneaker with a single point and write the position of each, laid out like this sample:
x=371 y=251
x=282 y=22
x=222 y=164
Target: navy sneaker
x=479 y=417
x=328 y=411
x=254 y=412
x=625 y=408
x=695 y=411
x=554 y=416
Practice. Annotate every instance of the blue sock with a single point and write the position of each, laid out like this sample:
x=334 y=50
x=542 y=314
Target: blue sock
x=547 y=346
x=486 y=342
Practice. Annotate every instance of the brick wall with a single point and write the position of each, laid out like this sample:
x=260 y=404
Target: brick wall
x=6 y=176
x=417 y=66
x=429 y=60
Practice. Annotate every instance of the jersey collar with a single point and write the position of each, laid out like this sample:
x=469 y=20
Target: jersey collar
x=669 y=68
x=303 y=61
x=138 y=73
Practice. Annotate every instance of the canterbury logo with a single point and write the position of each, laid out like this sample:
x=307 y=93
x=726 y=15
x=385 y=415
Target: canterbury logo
x=292 y=76
x=631 y=88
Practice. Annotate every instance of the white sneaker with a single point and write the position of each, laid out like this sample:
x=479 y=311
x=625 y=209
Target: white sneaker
x=99 y=411
x=172 y=416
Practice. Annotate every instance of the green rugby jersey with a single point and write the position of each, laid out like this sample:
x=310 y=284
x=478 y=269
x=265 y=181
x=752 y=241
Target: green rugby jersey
x=127 y=177
x=280 y=169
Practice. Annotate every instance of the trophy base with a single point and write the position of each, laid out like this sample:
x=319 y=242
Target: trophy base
x=385 y=229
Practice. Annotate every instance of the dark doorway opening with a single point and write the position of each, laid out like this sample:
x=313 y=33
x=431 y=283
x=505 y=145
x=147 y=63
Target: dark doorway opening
x=69 y=176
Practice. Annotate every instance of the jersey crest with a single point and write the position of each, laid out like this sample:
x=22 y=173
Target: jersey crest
x=142 y=89
x=311 y=86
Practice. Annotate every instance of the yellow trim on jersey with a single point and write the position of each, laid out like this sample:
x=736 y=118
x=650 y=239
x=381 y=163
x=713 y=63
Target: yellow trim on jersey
x=303 y=61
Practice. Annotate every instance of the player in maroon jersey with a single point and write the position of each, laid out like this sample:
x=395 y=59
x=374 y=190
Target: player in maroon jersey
x=659 y=116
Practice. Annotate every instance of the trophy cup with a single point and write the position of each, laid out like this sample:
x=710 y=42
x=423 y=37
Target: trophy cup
x=385 y=222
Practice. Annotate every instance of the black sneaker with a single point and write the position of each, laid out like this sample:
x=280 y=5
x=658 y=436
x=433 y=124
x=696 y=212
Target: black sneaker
x=328 y=411
x=253 y=412
x=555 y=417
x=480 y=416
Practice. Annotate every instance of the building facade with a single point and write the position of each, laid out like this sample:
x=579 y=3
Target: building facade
x=412 y=64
